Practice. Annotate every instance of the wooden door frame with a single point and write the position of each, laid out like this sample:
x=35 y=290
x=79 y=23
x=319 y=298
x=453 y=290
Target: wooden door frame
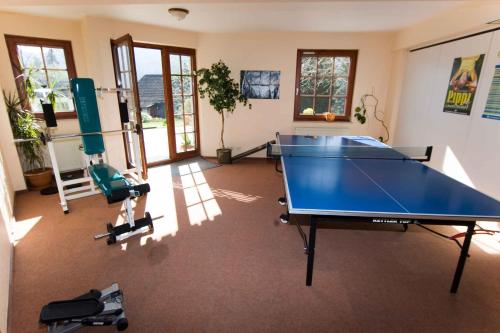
x=127 y=39
x=169 y=104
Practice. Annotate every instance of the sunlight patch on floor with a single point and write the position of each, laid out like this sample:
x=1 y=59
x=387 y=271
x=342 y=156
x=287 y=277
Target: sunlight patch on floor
x=200 y=202
x=246 y=198
x=160 y=203
x=23 y=227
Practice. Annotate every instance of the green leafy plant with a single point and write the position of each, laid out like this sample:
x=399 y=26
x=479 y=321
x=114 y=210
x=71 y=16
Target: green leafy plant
x=186 y=141
x=222 y=91
x=25 y=126
x=360 y=114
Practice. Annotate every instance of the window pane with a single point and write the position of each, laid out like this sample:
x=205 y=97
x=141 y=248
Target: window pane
x=123 y=57
x=186 y=65
x=306 y=106
x=322 y=105
x=126 y=80
x=340 y=87
x=175 y=64
x=37 y=77
x=122 y=83
x=307 y=85
x=176 y=85
x=179 y=143
x=179 y=123
x=323 y=86
x=338 y=106
x=177 y=105
x=30 y=56
x=189 y=141
x=188 y=104
x=189 y=122
x=54 y=58
x=308 y=65
x=58 y=80
x=187 y=85
x=35 y=104
x=325 y=66
x=64 y=103
x=342 y=66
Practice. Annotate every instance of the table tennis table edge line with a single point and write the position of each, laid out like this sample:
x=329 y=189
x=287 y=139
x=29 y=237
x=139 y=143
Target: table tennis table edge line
x=287 y=191
x=339 y=213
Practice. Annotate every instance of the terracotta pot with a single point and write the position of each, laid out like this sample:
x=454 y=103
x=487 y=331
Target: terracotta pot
x=38 y=179
x=224 y=156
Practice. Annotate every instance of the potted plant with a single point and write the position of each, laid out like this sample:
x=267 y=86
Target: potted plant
x=25 y=126
x=223 y=94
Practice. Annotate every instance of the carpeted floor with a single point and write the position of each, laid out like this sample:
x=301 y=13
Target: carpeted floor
x=219 y=261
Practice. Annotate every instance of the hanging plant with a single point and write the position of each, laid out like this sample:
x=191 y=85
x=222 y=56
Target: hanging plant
x=360 y=114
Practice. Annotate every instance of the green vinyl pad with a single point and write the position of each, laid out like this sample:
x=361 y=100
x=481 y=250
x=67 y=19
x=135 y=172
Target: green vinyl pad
x=111 y=182
x=88 y=114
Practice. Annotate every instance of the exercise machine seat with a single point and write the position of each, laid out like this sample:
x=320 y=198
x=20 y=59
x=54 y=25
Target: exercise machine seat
x=111 y=182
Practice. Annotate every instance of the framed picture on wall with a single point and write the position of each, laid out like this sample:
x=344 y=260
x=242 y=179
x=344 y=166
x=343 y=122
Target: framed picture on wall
x=492 y=109
x=260 y=84
x=463 y=84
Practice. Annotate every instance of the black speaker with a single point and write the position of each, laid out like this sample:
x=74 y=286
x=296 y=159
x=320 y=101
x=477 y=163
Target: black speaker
x=124 y=112
x=49 y=115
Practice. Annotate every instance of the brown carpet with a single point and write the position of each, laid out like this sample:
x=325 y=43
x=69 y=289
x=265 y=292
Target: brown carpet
x=243 y=271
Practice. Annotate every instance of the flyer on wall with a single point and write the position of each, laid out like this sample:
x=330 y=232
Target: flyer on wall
x=492 y=109
x=463 y=83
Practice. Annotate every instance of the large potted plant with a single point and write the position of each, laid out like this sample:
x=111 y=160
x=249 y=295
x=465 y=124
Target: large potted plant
x=223 y=94
x=25 y=126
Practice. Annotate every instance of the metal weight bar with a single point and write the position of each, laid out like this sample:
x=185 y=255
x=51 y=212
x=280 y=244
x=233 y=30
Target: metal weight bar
x=45 y=137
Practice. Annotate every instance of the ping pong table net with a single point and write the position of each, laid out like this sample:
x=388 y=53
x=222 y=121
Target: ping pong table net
x=351 y=150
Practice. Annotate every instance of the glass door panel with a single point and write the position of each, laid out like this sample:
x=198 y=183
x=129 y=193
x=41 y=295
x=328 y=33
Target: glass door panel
x=185 y=120
x=125 y=77
x=150 y=81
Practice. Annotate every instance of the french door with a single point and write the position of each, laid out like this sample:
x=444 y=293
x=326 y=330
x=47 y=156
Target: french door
x=164 y=86
x=126 y=77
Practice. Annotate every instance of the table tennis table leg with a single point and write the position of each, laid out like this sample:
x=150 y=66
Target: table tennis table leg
x=463 y=256
x=310 y=250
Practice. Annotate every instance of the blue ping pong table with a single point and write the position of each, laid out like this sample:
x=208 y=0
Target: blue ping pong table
x=359 y=179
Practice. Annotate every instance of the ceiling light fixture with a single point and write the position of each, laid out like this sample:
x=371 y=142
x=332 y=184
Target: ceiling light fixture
x=178 y=13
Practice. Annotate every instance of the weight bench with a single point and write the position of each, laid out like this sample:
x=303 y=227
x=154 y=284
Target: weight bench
x=95 y=308
x=114 y=186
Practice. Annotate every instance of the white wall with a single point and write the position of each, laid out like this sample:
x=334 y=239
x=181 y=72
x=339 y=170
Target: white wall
x=457 y=21
x=6 y=249
x=466 y=147
x=246 y=129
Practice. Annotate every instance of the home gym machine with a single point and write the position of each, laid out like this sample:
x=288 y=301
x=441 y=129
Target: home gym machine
x=95 y=308
x=99 y=177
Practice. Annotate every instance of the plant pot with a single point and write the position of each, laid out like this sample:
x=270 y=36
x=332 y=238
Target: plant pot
x=224 y=156
x=38 y=179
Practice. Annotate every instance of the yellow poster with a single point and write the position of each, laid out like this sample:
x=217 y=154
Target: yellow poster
x=463 y=84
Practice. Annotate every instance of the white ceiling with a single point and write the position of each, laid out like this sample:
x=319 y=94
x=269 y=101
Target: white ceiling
x=249 y=15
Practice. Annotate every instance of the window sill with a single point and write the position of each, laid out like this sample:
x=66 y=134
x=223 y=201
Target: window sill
x=59 y=115
x=320 y=118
